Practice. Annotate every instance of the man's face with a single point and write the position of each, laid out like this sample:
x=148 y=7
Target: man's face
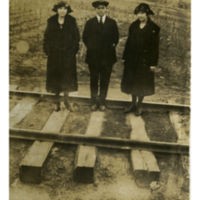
x=101 y=10
x=62 y=11
x=142 y=16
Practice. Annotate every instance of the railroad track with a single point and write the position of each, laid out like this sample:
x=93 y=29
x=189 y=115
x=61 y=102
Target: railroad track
x=141 y=147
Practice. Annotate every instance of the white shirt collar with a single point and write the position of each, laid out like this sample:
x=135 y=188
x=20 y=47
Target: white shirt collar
x=103 y=18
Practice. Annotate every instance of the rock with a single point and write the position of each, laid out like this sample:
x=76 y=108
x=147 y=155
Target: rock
x=22 y=47
x=162 y=77
x=154 y=185
x=54 y=151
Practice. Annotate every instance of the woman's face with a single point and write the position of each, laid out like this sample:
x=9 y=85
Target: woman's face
x=62 y=11
x=142 y=16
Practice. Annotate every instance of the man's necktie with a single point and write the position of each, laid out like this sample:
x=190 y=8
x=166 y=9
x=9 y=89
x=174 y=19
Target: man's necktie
x=101 y=20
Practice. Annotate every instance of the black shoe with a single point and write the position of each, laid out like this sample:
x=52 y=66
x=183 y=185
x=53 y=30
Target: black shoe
x=94 y=107
x=131 y=108
x=72 y=107
x=57 y=107
x=138 y=111
x=68 y=105
x=102 y=107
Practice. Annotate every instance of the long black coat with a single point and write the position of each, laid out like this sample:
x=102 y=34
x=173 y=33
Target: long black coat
x=100 y=41
x=61 y=45
x=141 y=52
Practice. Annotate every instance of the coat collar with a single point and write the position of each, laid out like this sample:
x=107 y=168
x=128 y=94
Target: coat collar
x=149 y=22
x=66 y=18
x=66 y=21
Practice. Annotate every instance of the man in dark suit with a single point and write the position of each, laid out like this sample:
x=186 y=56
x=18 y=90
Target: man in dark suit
x=100 y=36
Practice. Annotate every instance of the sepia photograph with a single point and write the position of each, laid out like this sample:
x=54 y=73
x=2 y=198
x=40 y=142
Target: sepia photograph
x=99 y=99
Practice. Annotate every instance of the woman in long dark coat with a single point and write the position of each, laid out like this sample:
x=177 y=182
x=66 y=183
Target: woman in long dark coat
x=61 y=44
x=140 y=58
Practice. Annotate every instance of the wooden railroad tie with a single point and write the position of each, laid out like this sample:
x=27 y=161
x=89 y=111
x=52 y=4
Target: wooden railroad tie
x=144 y=163
x=86 y=155
x=13 y=87
x=33 y=162
x=183 y=137
x=19 y=112
x=175 y=119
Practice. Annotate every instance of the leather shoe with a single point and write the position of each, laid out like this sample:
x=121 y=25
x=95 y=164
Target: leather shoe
x=57 y=107
x=72 y=107
x=93 y=107
x=131 y=108
x=102 y=107
x=138 y=111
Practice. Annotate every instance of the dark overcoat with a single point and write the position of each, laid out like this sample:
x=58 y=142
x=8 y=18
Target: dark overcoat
x=61 y=45
x=100 y=41
x=141 y=52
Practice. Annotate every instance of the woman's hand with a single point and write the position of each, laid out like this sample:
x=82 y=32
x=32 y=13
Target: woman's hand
x=155 y=69
x=123 y=61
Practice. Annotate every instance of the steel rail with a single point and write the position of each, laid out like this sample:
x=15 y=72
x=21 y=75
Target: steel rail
x=112 y=103
x=105 y=142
